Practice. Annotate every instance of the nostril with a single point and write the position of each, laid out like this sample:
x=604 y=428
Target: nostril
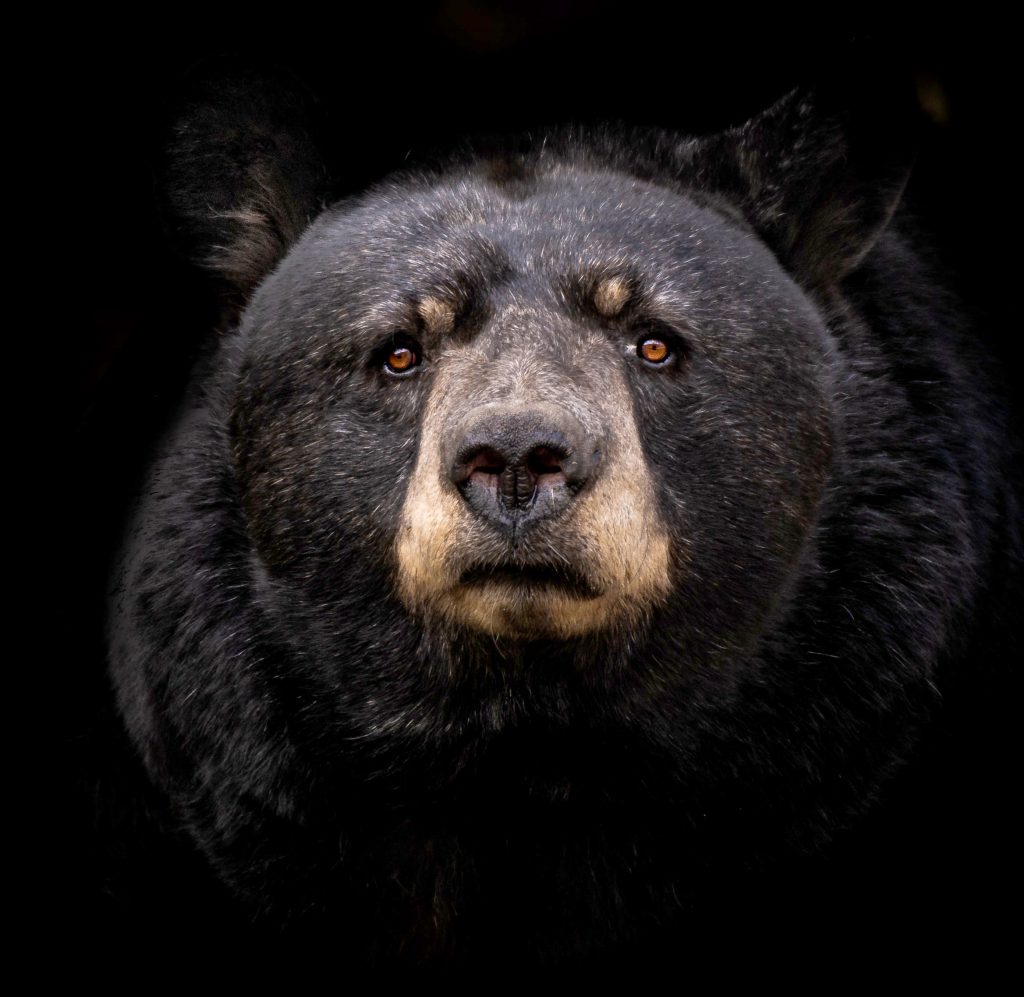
x=485 y=461
x=544 y=460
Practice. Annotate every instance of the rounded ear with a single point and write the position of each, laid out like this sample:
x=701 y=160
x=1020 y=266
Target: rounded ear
x=819 y=174
x=243 y=180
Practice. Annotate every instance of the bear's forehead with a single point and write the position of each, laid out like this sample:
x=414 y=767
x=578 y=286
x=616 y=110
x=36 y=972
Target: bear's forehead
x=465 y=237
x=562 y=219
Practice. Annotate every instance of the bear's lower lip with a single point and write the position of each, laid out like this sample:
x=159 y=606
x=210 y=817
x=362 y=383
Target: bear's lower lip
x=532 y=575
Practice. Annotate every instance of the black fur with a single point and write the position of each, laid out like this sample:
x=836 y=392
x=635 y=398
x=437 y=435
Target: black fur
x=831 y=462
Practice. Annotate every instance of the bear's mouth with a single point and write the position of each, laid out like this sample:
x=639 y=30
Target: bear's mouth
x=532 y=576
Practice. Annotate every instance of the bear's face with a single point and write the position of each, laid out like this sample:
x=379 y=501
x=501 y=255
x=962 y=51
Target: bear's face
x=545 y=409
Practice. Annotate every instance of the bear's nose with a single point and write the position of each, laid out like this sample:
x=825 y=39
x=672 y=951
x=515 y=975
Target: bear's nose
x=514 y=478
x=516 y=469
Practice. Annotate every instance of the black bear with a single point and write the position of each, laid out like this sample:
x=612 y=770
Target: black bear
x=567 y=543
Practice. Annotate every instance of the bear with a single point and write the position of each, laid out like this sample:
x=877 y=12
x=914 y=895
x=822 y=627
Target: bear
x=564 y=547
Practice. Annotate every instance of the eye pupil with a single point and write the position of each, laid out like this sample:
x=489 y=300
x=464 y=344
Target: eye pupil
x=654 y=350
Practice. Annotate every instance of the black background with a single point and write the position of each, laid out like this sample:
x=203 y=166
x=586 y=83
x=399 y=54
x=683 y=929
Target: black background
x=394 y=86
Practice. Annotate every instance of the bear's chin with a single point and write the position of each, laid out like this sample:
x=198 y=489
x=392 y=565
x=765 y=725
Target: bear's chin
x=529 y=605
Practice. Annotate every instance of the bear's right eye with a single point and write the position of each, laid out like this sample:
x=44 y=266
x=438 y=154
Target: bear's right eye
x=403 y=358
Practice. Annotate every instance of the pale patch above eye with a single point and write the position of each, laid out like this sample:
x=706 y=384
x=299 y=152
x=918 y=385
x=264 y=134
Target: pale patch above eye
x=437 y=316
x=611 y=296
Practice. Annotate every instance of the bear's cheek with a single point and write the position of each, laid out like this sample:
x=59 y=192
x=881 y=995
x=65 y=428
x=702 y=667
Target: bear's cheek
x=742 y=459
x=322 y=484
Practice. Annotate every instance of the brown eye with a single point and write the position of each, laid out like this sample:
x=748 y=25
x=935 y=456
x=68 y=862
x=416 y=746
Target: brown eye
x=401 y=359
x=654 y=351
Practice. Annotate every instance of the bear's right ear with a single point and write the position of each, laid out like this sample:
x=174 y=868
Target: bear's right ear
x=243 y=181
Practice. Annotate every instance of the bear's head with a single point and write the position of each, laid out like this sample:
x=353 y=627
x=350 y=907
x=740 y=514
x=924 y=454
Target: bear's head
x=547 y=414
x=538 y=396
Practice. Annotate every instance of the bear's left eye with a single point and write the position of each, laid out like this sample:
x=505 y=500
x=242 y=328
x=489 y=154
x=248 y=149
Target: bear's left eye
x=659 y=345
x=403 y=358
x=654 y=350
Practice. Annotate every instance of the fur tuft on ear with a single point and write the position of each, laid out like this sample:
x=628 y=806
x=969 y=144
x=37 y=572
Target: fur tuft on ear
x=243 y=180
x=819 y=174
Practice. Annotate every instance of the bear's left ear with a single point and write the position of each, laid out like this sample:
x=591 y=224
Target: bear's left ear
x=243 y=180
x=819 y=174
